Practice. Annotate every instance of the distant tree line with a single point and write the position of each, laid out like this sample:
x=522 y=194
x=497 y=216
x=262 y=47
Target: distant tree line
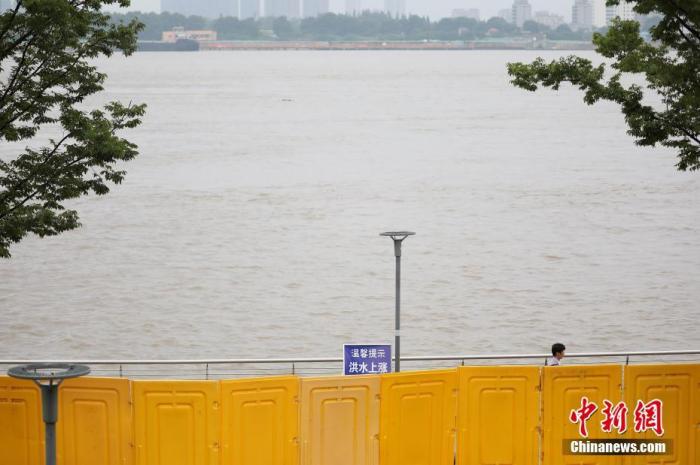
x=332 y=27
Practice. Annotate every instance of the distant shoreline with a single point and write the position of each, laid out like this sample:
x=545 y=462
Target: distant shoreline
x=361 y=45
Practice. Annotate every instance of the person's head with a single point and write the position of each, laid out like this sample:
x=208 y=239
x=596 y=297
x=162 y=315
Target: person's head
x=558 y=350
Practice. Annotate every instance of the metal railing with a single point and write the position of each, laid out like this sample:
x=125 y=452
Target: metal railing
x=662 y=353
x=218 y=368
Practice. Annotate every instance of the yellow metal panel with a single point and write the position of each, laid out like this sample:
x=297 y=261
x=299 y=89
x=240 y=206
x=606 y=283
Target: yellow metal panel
x=176 y=422
x=340 y=420
x=260 y=421
x=498 y=415
x=678 y=386
x=21 y=426
x=695 y=458
x=418 y=418
x=563 y=388
x=94 y=422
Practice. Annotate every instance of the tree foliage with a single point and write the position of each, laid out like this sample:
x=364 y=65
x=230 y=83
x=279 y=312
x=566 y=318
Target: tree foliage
x=46 y=48
x=228 y=28
x=282 y=28
x=666 y=110
x=155 y=23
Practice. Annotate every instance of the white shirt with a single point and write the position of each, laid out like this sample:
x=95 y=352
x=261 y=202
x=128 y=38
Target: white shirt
x=553 y=362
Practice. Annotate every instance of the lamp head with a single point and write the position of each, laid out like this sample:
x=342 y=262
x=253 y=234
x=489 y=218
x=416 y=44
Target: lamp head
x=48 y=373
x=398 y=235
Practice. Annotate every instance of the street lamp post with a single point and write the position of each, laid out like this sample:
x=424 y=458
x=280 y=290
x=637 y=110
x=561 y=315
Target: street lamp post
x=48 y=376
x=398 y=237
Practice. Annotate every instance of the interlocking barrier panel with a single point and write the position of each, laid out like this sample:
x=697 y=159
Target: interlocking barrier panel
x=510 y=415
x=260 y=421
x=340 y=420
x=177 y=422
x=21 y=426
x=563 y=387
x=498 y=418
x=95 y=424
x=418 y=418
x=678 y=387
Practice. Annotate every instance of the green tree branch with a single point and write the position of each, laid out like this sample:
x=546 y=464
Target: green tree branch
x=670 y=64
x=47 y=43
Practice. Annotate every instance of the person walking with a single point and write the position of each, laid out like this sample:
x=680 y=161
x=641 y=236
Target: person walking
x=558 y=350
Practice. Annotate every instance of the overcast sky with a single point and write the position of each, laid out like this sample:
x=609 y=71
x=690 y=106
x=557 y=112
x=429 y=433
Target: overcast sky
x=432 y=8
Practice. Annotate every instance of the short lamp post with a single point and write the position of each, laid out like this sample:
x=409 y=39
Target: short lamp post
x=48 y=377
x=398 y=237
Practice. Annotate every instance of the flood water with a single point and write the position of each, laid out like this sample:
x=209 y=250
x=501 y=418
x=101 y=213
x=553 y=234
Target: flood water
x=249 y=225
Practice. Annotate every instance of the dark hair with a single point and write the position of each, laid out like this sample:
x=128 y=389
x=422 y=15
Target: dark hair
x=558 y=347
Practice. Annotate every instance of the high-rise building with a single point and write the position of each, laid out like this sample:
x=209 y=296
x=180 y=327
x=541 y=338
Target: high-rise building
x=353 y=7
x=582 y=14
x=472 y=13
x=250 y=9
x=599 y=13
x=522 y=12
x=294 y=8
x=206 y=8
x=274 y=7
x=313 y=8
x=288 y=8
x=395 y=7
x=548 y=19
x=623 y=11
x=506 y=14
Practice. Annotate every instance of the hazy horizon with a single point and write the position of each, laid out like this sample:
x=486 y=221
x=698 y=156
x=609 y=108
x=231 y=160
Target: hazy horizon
x=432 y=8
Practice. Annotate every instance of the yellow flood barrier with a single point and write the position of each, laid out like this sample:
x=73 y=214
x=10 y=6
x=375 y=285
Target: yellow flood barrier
x=260 y=421
x=498 y=417
x=678 y=387
x=21 y=426
x=563 y=389
x=177 y=422
x=418 y=418
x=94 y=426
x=95 y=422
x=479 y=415
x=340 y=420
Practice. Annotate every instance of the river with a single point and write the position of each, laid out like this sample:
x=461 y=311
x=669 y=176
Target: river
x=249 y=225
